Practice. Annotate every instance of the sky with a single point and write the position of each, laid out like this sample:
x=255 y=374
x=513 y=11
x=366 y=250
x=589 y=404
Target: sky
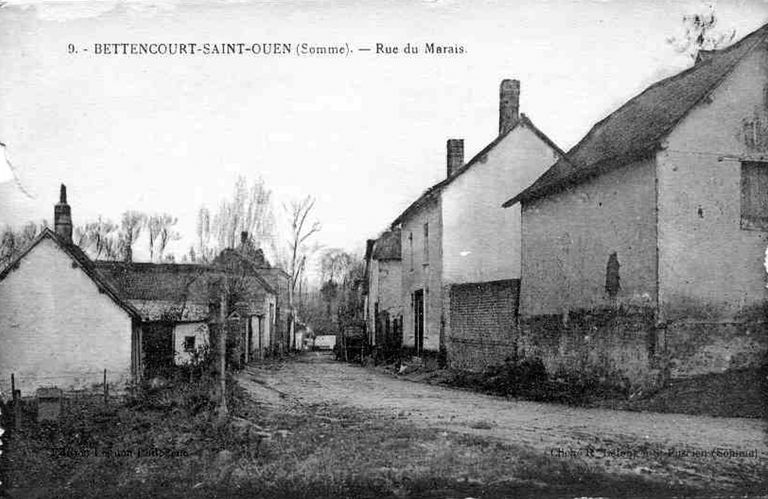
x=364 y=133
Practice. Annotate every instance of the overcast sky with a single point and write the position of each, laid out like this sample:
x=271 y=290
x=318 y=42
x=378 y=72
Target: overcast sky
x=365 y=133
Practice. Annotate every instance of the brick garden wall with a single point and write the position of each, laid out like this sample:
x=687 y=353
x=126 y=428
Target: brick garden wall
x=481 y=322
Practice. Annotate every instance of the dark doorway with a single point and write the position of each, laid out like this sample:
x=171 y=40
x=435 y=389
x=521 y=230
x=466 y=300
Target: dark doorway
x=249 y=348
x=158 y=348
x=418 y=320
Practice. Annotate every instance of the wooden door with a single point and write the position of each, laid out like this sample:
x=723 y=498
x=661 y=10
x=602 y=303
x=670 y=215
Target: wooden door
x=418 y=321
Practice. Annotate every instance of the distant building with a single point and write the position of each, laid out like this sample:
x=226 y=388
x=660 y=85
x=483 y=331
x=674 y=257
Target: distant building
x=382 y=291
x=177 y=302
x=643 y=250
x=276 y=278
x=461 y=252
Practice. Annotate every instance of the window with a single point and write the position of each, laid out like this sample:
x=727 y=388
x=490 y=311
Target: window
x=426 y=243
x=754 y=195
x=189 y=343
x=410 y=246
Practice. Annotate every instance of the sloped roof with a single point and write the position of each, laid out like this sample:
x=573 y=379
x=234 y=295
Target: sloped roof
x=435 y=190
x=159 y=310
x=83 y=262
x=637 y=127
x=230 y=258
x=387 y=246
x=156 y=281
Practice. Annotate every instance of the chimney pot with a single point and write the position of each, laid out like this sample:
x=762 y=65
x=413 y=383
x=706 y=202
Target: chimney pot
x=455 y=155
x=509 y=105
x=62 y=217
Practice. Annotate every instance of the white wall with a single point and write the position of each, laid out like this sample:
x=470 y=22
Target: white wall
x=709 y=265
x=481 y=240
x=197 y=329
x=56 y=328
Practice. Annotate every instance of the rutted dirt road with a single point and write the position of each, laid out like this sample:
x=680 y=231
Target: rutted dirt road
x=703 y=451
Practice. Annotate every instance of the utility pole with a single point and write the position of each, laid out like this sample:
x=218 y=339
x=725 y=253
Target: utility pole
x=223 y=351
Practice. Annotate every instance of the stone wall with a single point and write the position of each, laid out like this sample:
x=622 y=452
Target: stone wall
x=696 y=348
x=622 y=345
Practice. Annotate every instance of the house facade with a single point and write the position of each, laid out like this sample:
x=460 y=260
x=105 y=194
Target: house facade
x=460 y=269
x=61 y=323
x=383 y=305
x=643 y=250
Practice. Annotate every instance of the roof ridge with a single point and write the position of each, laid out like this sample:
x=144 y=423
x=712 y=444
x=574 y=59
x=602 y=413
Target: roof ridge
x=523 y=120
x=642 y=121
x=676 y=76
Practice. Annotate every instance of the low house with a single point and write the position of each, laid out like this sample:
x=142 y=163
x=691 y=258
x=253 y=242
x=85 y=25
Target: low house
x=252 y=261
x=65 y=319
x=61 y=322
x=382 y=295
x=177 y=302
x=461 y=252
x=643 y=250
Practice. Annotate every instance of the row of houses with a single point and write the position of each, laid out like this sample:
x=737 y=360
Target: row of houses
x=639 y=252
x=65 y=318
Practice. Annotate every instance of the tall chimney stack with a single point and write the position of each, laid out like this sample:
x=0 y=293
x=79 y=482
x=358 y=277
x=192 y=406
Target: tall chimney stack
x=509 y=105
x=455 y=155
x=62 y=217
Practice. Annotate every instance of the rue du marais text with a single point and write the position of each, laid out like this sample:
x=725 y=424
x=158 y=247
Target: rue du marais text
x=265 y=49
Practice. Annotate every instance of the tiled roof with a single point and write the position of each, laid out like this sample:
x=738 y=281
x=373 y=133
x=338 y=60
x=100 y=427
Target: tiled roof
x=387 y=246
x=162 y=291
x=637 y=127
x=84 y=263
x=435 y=190
x=177 y=311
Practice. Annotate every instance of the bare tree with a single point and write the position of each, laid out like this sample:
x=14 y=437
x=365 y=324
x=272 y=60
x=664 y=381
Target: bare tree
x=334 y=264
x=699 y=32
x=14 y=241
x=161 y=231
x=98 y=239
x=205 y=251
x=301 y=229
x=249 y=210
x=130 y=229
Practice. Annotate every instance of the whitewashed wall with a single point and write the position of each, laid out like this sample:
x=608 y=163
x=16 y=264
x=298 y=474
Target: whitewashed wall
x=57 y=328
x=481 y=240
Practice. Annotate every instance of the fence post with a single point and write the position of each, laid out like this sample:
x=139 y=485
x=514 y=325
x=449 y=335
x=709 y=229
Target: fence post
x=16 y=395
x=106 y=387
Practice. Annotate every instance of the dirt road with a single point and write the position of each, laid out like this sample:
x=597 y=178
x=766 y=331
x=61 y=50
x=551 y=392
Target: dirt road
x=701 y=451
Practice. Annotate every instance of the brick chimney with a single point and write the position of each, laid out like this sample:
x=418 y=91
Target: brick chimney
x=62 y=217
x=509 y=105
x=455 y=155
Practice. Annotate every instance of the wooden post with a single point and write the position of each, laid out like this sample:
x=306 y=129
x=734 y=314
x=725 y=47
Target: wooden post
x=106 y=388
x=16 y=396
x=223 y=353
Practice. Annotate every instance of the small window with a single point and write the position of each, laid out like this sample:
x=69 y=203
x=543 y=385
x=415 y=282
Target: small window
x=754 y=195
x=189 y=343
x=426 y=243
x=410 y=246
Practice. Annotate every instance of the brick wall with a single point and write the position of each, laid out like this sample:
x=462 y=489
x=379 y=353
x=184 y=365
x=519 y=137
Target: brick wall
x=480 y=325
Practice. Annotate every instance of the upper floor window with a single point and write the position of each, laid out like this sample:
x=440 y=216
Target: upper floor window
x=410 y=246
x=426 y=243
x=754 y=195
